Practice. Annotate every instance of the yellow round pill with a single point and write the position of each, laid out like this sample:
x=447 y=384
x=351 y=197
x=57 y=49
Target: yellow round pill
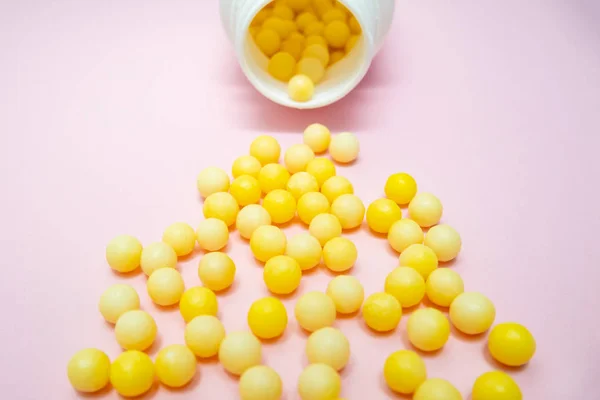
x=316 y=39
x=404 y=233
x=347 y=293
x=437 y=389
x=157 y=255
x=283 y=27
x=240 y=351
x=381 y=215
x=351 y=43
x=260 y=383
x=511 y=344
x=349 y=210
x=222 y=206
x=317 y=51
x=88 y=370
x=315 y=310
x=135 y=330
x=301 y=183
x=404 y=371
x=443 y=285
x=419 y=257
x=245 y=190
x=266 y=242
x=175 y=365
x=282 y=66
x=319 y=382
x=444 y=241
x=328 y=346
x=425 y=209
x=305 y=249
x=216 y=271
x=181 y=237
x=294 y=45
x=406 y=285
x=314 y=28
x=305 y=17
x=382 y=312
x=282 y=274
x=495 y=385
x=132 y=373
x=335 y=14
x=310 y=205
x=212 y=234
x=281 y=206
x=212 y=180
x=344 y=147
x=251 y=217
x=116 y=300
x=203 y=335
x=336 y=186
x=317 y=137
x=265 y=149
x=322 y=169
x=283 y=11
x=273 y=176
x=311 y=67
x=301 y=88
x=337 y=34
x=428 y=329
x=325 y=227
x=267 y=318
x=297 y=157
x=246 y=165
x=198 y=301
x=339 y=254
x=268 y=41
x=336 y=56
x=123 y=253
x=472 y=313
x=401 y=188
x=165 y=286
x=261 y=16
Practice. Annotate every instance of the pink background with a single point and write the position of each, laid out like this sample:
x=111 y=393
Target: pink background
x=109 y=109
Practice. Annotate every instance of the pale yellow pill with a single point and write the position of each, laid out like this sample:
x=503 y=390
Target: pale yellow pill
x=222 y=206
x=273 y=176
x=325 y=227
x=117 y=300
x=240 y=351
x=123 y=253
x=336 y=56
x=419 y=257
x=157 y=255
x=406 y=285
x=301 y=183
x=321 y=168
x=282 y=66
x=310 y=205
x=311 y=67
x=266 y=242
x=212 y=180
x=181 y=237
x=428 y=329
x=246 y=165
x=165 y=286
x=204 y=334
x=305 y=249
x=344 y=148
x=319 y=382
x=472 y=313
x=404 y=233
x=175 y=365
x=349 y=210
x=337 y=34
x=315 y=310
x=425 y=209
x=251 y=217
x=212 y=234
x=315 y=39
x=265 y=149
x=317 y=51
x=437 y=389
x=444 y=241
x=297 y=157
x=336 y=186
x=339 y=254
x=443 y=285
x=89 y=370
x=260 y=383
x=216 y=271
x=347 y=293
x=301 y=88
x=328 y=346
x=317 y=137
x=135 y=330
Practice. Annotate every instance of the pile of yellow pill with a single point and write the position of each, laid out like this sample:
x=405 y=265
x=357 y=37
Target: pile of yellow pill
x=265 y=194
x=302 y=39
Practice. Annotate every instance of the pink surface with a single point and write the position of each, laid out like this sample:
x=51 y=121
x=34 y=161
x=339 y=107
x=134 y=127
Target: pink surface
x=109 y=109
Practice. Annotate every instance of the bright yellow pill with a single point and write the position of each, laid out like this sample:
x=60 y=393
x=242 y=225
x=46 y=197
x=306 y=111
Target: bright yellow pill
x=123 y=253
x=310 y=205
x=339 y=254
x=336 y=186
x=281 y=206
x=382 y=312
x=406 y=285
x=277 y=25
x=351 y=43
x=317 y=137
x=268 y=41
x=89 y=370
x=175 y=365
x=495 y=385
x=165 y=286
x=349 y=209
x=198 y=301
x=404 y=371
x=404 y=233
x=157 y=255
x=297 y=157
x=511 y=344
x=325 y=227
x=316 y=39
x=381 y=215
x=472 y=313
x=294 y=45
x=347 y=293
x=251 y=217
x=266 y=242
x=245 y=190
x=443 y=285
x=322 y=6
x=216 y=271
x=311 y=67
x=334 y=14
x=132 y=373
x=328 y=346
x=301 y=88
x=437 y=389
x=181 y=237
x=135 y=330
x=401 y=188
x=273 y=176
x=282 y=66
x=315 y=310
x=319 y=382
x=314 y=28
x=117 y=300
x=428 y=329
x=317 y=51
x=425 y=209
x=305 y=249
x=298 y=5
x=344 y=147
x=240 y=351
x=354 y=26
x=301 y=183
x=337 y=34
x=265 y=149
x=419 y=257
x=212 y=180
x=282 y=274
x=212 y=234
x=322 y=169
x=336 y=56
x=203 y=335
x=283 y=12
x=267 y=318
x=260 y=383
x=444 y=241
x=304 y=19
x=261 y=16
x=222 y=206
x=246 y=165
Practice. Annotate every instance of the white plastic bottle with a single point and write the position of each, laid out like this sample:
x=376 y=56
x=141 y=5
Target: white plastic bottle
x=374 y=16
